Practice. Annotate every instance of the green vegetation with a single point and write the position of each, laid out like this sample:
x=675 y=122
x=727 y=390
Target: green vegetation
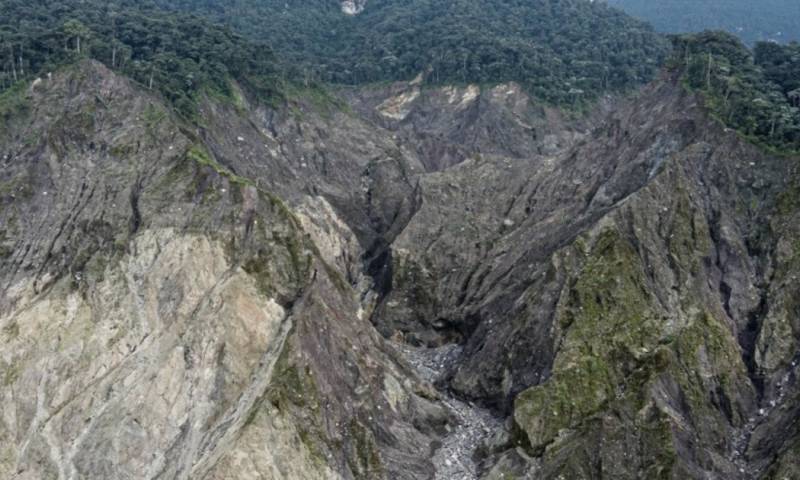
x=11 y=330
x=567 y=52
x=12 y=104
x=153 y=116
x=178 y=55
x=11 y=373
x=199 y=155
x=365 y=462
x=15 y=187
x=564 y=51
x=609 y=301
x=616 y=349
x=752 y=20
x=293 y=387
x=756 y=93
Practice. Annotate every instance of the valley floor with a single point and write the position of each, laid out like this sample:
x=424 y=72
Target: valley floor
x=474 y=424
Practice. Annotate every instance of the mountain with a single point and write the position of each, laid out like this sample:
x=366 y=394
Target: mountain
x=259 y=277
x=774 y=20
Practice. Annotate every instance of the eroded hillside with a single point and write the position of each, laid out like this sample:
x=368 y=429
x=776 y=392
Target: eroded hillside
x=406 y=282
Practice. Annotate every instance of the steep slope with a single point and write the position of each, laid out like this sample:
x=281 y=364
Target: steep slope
x=516 y=212
x=615 y=292
x=160 y=314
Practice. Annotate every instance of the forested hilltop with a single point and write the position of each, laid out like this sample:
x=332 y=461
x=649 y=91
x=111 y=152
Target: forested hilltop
x=755 y=92
x=177 y=54
x=567 y=52
x=564 y=51
x=751 y=20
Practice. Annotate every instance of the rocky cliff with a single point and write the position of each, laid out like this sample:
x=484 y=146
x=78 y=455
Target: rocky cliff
x=164 y=316
x=398 y=282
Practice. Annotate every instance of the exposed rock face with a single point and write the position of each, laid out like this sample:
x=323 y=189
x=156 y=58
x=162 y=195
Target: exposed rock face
x=163 y=317
x=353 y=7
x=215 y=302
x=615 y=295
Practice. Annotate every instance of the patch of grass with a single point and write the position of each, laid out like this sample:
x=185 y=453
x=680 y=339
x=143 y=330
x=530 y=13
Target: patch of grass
x=201 y=156
x=121 y=151
x=789 y=199
x=316 y=96
x=11 y=330
x=153 y=116
x=366 y=463
x=17 y=187
x=294 y=388
x=11 y=373
x=13 y=103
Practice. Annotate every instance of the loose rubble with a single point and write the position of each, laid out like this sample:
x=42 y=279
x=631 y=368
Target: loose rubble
x=454 y=459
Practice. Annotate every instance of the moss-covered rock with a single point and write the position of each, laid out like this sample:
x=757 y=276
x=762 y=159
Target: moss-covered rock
x=608 y=313
x=624 y=383
x=787 y=465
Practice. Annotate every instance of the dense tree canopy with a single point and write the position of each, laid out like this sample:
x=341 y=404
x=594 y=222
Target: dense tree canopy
x=757 y=94
x=561 y=50
x=751 y=20
x=177 y=54
x=564 y=51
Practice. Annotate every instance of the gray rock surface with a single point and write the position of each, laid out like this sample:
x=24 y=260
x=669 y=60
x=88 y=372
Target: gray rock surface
x=474 y=426
x=165 y=317
x=399 y=279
